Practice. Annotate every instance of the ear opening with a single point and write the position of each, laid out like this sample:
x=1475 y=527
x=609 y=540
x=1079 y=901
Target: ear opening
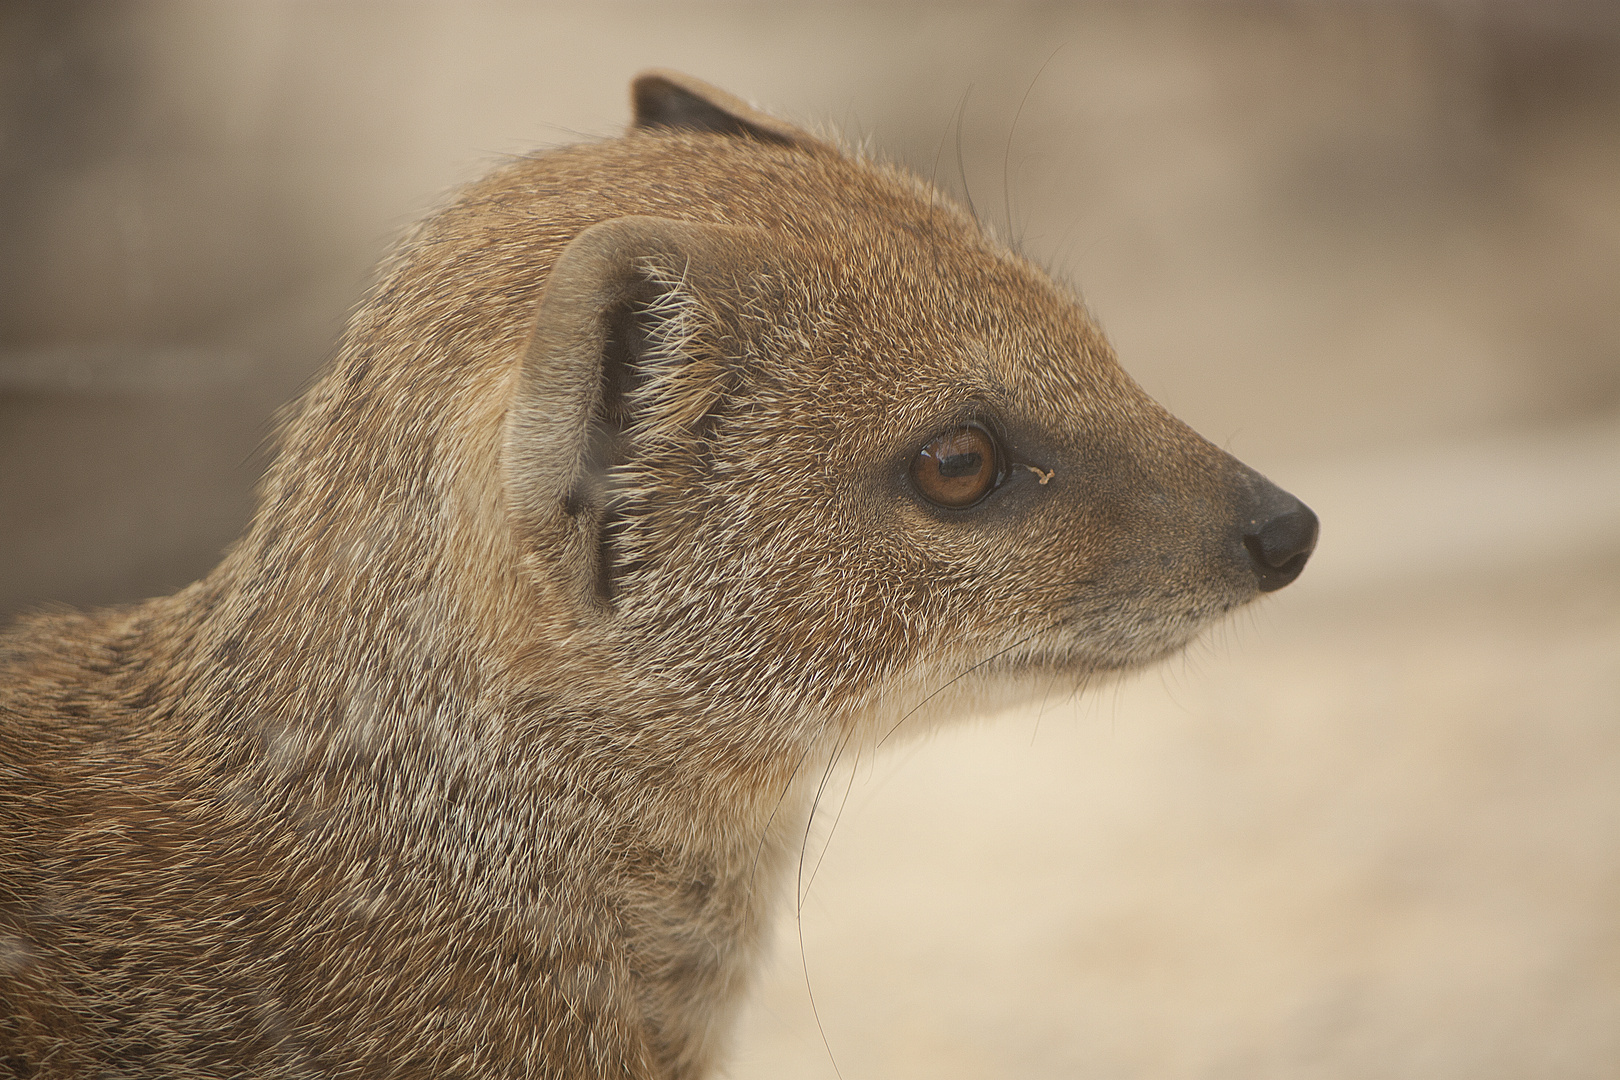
x=612 y=366
x=629 y=338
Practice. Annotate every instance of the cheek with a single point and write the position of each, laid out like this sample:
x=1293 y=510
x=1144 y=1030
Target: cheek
x=971 y=584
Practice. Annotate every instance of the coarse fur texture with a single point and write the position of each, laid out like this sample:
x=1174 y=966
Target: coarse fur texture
x=482 y=753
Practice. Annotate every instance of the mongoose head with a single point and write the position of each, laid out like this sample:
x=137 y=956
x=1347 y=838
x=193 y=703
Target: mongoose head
x=723 y=423
x=652 y=470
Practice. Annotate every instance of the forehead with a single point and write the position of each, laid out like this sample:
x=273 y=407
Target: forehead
x=892 y=304
x=913 y=329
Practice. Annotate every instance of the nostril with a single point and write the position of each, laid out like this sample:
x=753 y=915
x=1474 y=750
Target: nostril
x=1280 y=545
x=1286 y=536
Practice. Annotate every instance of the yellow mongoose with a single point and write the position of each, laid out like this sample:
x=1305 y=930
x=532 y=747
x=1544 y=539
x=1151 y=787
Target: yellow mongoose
x=655 y=472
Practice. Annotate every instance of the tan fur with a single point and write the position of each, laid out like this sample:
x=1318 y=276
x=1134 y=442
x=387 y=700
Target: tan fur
x=482 y=752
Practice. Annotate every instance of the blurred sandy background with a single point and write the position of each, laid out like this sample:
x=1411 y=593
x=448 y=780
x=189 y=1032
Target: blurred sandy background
x=1371 y=828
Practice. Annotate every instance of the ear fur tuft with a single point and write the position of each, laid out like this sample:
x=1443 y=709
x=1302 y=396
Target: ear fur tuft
x=669 y=99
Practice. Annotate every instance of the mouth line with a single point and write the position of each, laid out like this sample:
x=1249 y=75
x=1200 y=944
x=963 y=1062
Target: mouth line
x=1065 y=647
x=1077 y=660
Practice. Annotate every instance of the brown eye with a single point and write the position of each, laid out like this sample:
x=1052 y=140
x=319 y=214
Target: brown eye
x=957 y=469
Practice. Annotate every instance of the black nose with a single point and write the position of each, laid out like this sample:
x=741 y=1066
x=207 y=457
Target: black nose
x=1279 y=537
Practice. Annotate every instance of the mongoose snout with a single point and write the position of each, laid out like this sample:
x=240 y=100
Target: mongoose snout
x=656 y=476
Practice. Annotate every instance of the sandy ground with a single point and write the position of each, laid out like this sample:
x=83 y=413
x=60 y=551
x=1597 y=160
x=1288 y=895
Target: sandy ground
x=1371 y=828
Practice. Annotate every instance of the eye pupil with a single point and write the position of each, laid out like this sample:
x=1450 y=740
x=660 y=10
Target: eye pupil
x=960 y=465
x=958 y=468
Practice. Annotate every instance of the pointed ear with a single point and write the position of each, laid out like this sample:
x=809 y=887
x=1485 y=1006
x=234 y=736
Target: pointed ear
x=615 y=353
x=668 y=99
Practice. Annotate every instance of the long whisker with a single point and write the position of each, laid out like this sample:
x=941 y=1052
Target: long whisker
x=939 y=151
x=804 y=965
x=1006 y=155
x=799 y=892
x=765 y=833
x=961 y=169
x=839 y=816
x=815 y=805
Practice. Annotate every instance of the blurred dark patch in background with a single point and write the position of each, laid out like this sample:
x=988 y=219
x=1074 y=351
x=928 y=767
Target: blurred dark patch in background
x=165 y=284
